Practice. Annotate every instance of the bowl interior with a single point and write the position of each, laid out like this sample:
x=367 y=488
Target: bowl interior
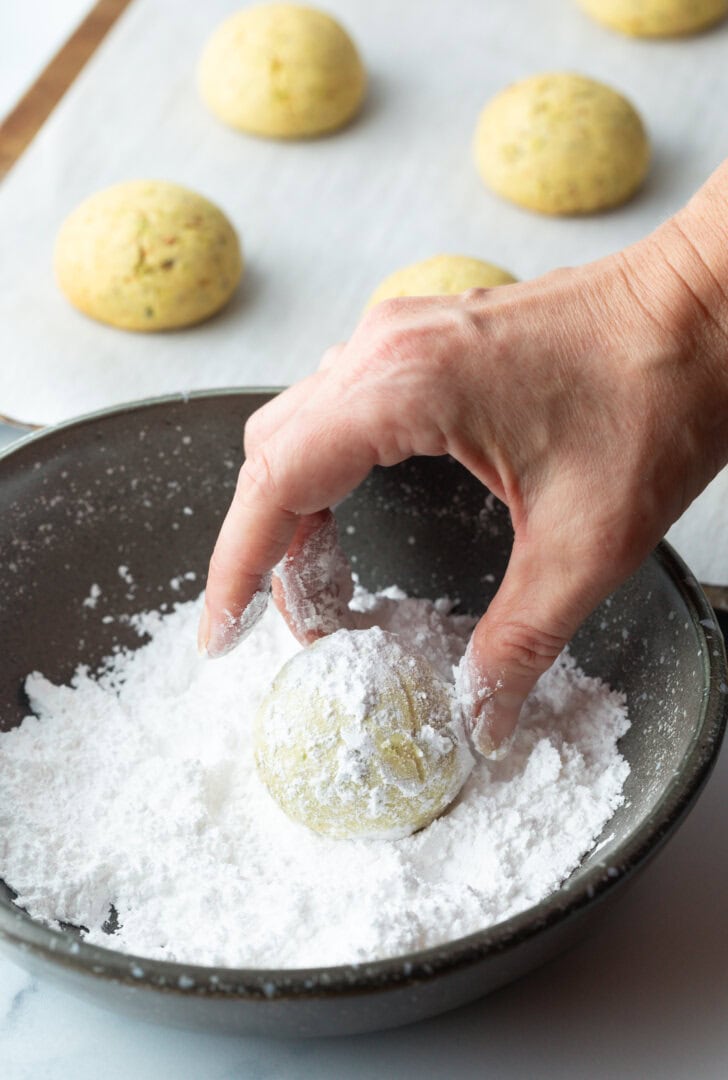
x=132 y=499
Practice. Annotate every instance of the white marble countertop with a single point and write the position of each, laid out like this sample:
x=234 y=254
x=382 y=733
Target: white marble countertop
x=645 y=997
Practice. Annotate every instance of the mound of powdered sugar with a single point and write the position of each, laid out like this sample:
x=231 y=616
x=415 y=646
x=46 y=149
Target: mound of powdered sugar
x=135 y=787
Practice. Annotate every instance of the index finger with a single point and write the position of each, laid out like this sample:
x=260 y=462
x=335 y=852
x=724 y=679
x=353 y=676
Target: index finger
x=312 y=460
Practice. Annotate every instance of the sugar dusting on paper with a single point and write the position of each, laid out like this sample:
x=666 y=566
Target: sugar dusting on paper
x=134 y=787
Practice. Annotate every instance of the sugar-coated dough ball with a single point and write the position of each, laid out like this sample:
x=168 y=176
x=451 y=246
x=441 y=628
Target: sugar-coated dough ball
x=147 y=255
x=357 y=738
x=441 y=275
x=282 y=70
x=657 y=18
x=561 y=144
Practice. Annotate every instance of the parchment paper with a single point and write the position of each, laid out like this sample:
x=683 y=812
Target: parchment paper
x=323 y=221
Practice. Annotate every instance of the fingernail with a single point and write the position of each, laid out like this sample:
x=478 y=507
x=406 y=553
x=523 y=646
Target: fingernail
x=494 y=724
x=490 y=712
x=203 y=632
x=226 y=633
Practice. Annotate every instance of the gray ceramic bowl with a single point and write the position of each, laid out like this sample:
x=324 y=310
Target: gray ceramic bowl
x=79 y=499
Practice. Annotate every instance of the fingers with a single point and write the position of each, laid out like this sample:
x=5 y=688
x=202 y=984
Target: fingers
x=263 y=423
x=254 y=535
x=266 y=421
x=544 y=597
x=299 y=470
x=312 y=585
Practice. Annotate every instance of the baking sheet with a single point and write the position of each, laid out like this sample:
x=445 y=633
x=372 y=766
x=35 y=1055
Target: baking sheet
x=323 y=221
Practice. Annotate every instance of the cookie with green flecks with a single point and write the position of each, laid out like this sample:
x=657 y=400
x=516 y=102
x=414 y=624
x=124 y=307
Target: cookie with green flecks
x=147 y=255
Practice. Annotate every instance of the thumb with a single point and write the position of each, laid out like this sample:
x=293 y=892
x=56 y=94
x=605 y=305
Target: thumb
x=543 y=598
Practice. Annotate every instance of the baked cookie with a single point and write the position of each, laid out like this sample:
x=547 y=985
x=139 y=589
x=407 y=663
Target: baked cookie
x=147 y=255
x=657 y=18
x=282 y=70
x=440 y=275
x=358 y=738
x=561 y=143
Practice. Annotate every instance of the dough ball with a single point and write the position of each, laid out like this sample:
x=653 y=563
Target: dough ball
x=282 y=70
x=147 y=255
x=561 y=144
x=441 y=275
x=657 y=18
x=357 y=738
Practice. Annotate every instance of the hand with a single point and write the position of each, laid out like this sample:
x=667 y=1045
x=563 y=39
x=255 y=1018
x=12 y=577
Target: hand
x=592 y=401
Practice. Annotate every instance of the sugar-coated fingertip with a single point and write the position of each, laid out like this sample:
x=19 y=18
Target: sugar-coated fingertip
x=486 y=747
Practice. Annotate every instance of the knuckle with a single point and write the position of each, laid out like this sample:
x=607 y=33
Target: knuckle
x=256 y=478
x=475 y=295
x=330 y=356
x=385 y=312
x=394 y=349
x=475 y=319
x=385 y=323
x=525 y=649
x=387 y=355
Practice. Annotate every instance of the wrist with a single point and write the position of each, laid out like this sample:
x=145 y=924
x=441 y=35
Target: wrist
x=678 y=277
x=677 y=281
x=690 y=263
x=698 y=245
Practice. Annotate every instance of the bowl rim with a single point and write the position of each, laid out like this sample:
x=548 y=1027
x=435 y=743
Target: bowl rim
x=19 y=930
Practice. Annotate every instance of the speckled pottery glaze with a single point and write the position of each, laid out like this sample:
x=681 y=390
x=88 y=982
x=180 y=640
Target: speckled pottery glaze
x=116 y=488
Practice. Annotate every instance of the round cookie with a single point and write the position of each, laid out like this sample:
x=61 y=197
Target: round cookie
x=147 y=255
x=561 y=144
x=282 y=70
x=356 y=738
x=440 y=275
x=657 y=18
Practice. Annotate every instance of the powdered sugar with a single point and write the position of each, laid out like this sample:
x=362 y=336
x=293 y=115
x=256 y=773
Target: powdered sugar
x=316 y=584
x=93 y=597
x=136 y=788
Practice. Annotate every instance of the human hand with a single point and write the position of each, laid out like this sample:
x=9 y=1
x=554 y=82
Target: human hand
x=591 y=401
